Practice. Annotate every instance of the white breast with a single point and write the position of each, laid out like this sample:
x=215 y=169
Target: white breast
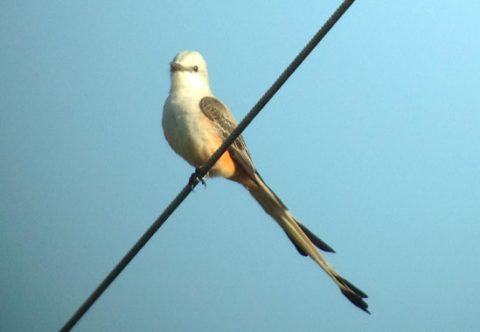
x=186 y=128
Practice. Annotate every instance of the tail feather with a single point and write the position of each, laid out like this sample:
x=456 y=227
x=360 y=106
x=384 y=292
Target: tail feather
x=353 y=293
x=354 y=288
x=316 y=240
x=355 y=299
x=299 y=248
x=303 y=239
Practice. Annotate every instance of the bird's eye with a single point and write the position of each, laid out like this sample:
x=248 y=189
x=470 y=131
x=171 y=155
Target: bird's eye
x=195 y=68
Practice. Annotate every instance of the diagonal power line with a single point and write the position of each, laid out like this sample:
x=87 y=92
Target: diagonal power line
x=202 y=171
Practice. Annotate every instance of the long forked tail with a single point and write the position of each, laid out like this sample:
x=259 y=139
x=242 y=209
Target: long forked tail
x=303 y=239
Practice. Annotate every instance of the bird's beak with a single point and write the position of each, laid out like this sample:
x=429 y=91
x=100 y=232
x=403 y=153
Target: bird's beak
x=175 y=66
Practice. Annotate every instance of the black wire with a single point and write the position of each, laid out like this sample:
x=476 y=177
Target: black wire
x=200 y=173
x=275 y=87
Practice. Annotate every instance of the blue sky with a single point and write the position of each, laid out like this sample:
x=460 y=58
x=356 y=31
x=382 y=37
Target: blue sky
x=374 y=144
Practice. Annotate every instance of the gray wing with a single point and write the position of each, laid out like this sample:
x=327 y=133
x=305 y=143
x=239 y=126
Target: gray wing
x=224 y=121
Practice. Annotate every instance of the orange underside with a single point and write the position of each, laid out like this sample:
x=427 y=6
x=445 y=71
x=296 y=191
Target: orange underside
x=227 y=167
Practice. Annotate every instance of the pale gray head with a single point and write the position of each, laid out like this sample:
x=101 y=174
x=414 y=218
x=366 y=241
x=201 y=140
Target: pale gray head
x=189 y=71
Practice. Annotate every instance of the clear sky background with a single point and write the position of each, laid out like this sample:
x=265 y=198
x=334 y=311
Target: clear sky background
x=374 y=143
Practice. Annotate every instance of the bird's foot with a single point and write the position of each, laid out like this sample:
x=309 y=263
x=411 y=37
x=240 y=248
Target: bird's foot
x=196 y=177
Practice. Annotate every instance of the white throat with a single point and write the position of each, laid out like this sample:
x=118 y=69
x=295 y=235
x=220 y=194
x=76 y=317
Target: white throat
x=189 y=83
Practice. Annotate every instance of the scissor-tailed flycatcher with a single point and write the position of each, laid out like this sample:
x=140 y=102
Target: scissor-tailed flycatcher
x=196 y=123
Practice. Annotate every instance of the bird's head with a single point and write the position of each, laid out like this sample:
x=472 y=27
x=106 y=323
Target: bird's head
x=189 y=70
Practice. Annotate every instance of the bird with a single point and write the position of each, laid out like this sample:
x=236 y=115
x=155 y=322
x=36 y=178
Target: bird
x=195 y=123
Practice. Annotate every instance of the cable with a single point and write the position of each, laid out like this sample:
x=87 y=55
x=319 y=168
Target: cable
x=275 y=87
x=202 y=171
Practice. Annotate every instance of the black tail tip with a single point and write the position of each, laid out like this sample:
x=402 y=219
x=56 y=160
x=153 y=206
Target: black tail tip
x=320 y=244
x=356 y=300
x=352 y=287
x=353 y=293
x=325 y=247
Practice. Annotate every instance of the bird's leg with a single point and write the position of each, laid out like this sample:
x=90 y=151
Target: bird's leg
x=195 y=178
